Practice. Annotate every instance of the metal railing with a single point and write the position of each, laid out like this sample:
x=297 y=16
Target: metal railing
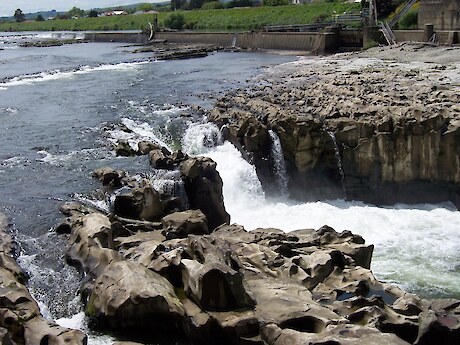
x=387 y=33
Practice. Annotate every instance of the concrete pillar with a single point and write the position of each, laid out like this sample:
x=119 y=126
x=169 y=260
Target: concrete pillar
x=453 y=37
x=371 y=35
x=428 y=32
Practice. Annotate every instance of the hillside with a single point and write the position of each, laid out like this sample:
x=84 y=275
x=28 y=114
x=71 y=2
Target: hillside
x=248 y=18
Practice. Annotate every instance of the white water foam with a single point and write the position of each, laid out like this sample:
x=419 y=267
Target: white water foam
x=70 y=158
x=29 y=79
x=415 y=246
x=200 y=138
x=78 y=321
x=138 y=131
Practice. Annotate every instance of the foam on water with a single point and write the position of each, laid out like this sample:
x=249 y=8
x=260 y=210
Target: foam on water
x=78 y=321
x=29 y=79
x=415 y=246
x=200 y=138
x=137 y=132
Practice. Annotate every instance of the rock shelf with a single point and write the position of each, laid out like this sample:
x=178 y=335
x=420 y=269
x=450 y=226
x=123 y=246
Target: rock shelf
x=356 y=126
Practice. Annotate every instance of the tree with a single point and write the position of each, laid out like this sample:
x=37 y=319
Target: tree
x=76 y=12
x=275 y=2
x=213 y=5
x=19 y=16
x=40 y=18
x=93 y=14
x=240 y=3
x=145 y=7
x=175 y=21
x=177 y=4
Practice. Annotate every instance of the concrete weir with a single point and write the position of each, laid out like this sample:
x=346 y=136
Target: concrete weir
x=328 y=41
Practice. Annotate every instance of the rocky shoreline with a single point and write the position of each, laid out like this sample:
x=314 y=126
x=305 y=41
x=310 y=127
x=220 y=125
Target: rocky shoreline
x=355 y=125
x=20 y=319
x=159 y=263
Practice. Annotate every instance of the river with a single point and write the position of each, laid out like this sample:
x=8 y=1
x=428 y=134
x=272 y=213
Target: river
x=62 y=108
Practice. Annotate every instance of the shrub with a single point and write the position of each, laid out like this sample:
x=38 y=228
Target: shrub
x=175 y=21
x=213 y=5
x=409 y=21
x=275 y=2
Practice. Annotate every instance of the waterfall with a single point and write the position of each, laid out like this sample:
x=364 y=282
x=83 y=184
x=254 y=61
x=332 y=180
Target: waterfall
x=279 y=164
x=338 y=159
x=200 y=138
x=234 y=41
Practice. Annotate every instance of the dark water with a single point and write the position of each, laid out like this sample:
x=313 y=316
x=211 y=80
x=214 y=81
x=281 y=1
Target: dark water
x=60 y=108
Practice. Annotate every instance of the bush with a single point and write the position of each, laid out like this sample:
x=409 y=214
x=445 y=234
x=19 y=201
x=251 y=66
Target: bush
x=213 y=5
x=409 y=21
x=275 y=2
x=175 y=21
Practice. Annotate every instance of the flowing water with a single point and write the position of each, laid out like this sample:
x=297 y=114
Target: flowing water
x=61 y=110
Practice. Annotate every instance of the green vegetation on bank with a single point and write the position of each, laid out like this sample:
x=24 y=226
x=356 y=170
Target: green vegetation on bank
x=247 y=18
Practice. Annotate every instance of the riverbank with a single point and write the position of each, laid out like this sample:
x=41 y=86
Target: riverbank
x=356 y=125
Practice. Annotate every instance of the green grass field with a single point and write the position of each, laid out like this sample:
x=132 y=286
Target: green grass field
x=248 y=18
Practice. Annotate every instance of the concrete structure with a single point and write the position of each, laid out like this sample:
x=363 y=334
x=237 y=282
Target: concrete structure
x=328 y=41
x=443 y=14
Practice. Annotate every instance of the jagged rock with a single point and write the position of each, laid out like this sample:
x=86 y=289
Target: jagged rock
x=20 y=318
x=109 y=176
x=146 y=146
x=439 y=324
x=182 y=224
x=288 y=304
x=240 y=287
x=214 y=285
x=333 y=335
x=40 y=331
x=127 y=295
x=203 y=186
x=91 y=244
x=141 y=202
x=123 y=148
x=160 y=160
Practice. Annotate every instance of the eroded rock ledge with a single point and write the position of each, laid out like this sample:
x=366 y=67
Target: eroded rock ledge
x=365 y=129
x=179 y=275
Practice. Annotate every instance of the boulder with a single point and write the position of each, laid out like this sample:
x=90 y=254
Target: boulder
x=182 y=224
x=203 y=186
x=333 y=334
x=109 y=176
x=440 y=323
x=123 y=148
x=146 y=146
x=141 y=202
x=127 y=295
x=41 y=331
x=214 y=286
x=159 y=160
x=91 y=244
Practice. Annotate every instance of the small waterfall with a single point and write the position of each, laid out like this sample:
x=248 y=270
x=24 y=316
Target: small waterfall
x=200 y=138
x=338 y=159
x=234 y=41
x=279 y=164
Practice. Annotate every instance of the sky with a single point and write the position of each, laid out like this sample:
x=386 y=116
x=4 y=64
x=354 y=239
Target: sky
x=7 y=7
